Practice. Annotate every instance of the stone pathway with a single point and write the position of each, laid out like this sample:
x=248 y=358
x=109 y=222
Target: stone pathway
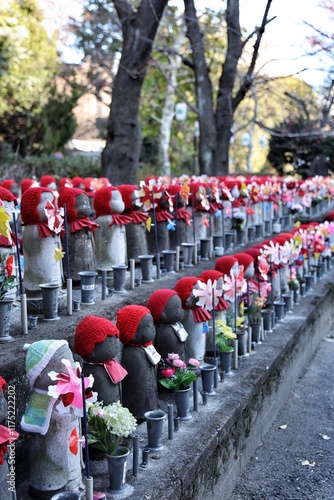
x=296 y=459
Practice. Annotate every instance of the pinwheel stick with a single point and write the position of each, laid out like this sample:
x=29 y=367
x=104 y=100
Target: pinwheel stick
x=84 y=425
x=67 y=255
x=155 y=229
x=23 y=297
x=214 y=338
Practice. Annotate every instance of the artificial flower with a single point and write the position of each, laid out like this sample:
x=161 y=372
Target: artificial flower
x=207 y=294
x=5 y=224
x=55 y=216
x=69 y=389
x=58 y=254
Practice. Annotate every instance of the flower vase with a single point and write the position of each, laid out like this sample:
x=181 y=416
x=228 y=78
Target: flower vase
x=242 y=336
x=154 y=420
x=169 y=257
x=183 y=403
x=279 y=310
x=119 y=272
x=226 y=362
x=256 y=330
x=267 y=320
x=204 y=248
x=117 y=469
x=50 y=300
x=146 y=268
x=5 y=312
x=187 y=250
x=87 y=279
x=208 y=378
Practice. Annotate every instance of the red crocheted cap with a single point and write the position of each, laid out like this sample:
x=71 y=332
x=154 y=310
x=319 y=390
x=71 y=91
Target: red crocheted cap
x=244 y=259
x=158 y=301
x=102 y=199
x=67 y=195
x=128 y=319
x=7 y=183
x=253 y=252
x=27 y=183
x=280 y=240
x=210 y=274
x=29 y=203
x=330 y=216
x=45 y=180
x=7 y=195
x=90 y=331
x=88 y=181
x=78 y=182
x=65 y=182
x=224 y=264
x=126 y=191
x=185 y=286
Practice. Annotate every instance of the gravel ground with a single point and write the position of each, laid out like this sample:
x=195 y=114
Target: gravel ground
x=296 y=459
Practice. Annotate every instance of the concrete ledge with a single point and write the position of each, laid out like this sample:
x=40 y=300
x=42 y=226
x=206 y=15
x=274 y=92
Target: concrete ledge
x=207 y=455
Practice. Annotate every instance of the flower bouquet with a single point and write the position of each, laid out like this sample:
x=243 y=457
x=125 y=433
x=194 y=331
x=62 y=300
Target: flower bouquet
x=7 y=277
x=224 y=335
x=177 y=376
x=256 y=306
x=108 y=425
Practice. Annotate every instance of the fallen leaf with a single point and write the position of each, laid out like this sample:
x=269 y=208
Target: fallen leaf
x=306 y=462
x=283 y=426
x=324 y=436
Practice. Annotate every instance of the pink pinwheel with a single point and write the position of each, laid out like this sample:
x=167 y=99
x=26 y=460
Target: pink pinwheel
x=271 y=252
x=69 y=389
x=207 y=293
x=234 y=287
x=263 y=267
x=55 y=216
x=306 y=200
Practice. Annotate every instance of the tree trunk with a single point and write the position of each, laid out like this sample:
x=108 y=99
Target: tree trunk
x=120 y=157
x=226 y=103
x=168 y=109
x=224 y=110
x=207 y=138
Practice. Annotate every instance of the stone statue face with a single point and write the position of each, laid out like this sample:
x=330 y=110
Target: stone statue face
x=192 y=300
x=249 y=272
x=9 y=208
x=172 y=312
x=45 y=197
x=145 y=331
x=106 y=350
x=116 y=202
x=235 y=269
x=43 y=380
x=82 y=206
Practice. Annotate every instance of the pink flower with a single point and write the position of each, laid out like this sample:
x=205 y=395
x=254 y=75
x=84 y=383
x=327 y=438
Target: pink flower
x=168 y=372
x=171 y=356
x=179 y=363
x=194 y=362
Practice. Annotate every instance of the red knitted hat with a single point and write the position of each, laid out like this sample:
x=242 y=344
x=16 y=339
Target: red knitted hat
x=7 y=195
x=78 y=182
x=126 y=191
x=330 y=216
x=102 y=199
x=254 y=252
x=210 y=274
x=185 y=286
x=244 y=259
x=224 y=264
x=158 y=301
x=90 y=331
x=45 y=180
x=29 y=203
x=128 y=319
x=67 y=195
x=27 y=183
x=65 y=182
x=8 y=183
